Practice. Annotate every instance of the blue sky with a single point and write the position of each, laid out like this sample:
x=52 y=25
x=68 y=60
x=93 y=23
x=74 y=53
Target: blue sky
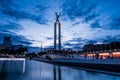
x=31 y=22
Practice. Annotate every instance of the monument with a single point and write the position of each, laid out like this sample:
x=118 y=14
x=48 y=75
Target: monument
x=57 y=25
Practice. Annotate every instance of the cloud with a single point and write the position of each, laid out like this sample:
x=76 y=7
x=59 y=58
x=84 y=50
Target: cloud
x=16 y=11
x=19 y=39
x=109 y=39
x=10 y=26
x=24 y=42
x=79 y=9
x=91 y=41
x=115 y=23
x=90 y=17
x=78 y=43
x=75 y=43
x=30 y=22
x=95 y=24
x=12 y=12
x=49 y=38
x=16 y=39
x=33 y=49
x=76 y=23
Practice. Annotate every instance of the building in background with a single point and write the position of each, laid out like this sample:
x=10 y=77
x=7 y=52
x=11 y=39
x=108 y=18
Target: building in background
x=8 y=48
x=111 y=50
x=7 y=43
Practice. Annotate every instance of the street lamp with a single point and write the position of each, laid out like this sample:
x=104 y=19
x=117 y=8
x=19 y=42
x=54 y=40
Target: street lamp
x=41 y=46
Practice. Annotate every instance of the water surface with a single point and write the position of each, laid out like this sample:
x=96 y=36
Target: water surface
x=35 y=70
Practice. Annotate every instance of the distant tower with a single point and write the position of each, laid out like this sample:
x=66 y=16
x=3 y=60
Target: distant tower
x=57 y=23
x=41 y=47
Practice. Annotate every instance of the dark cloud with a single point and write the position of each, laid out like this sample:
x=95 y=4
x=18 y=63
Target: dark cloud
x=4 y=27
x=15 y=14
x=107 y=39
x=25 y=42
x=77 y=40
x=41 y=8
x=49 y=47
x=96 y=24
x=91 y=41
x=75 y=43
x=11 y=12
x=78 y=43
x=33 y=49
x=11 y=9
x=110 y=39
x=79 y=9
x=115 y=23
x=16 y=39
x=90 y=17
x=70 y=45
x=7 y=3
x=49 y=38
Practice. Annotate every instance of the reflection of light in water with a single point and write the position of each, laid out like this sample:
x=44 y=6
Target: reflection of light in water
x=12 y=65
x=12 y=59
x=23 y=66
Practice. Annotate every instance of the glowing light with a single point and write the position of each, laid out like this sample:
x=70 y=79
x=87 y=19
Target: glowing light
x=12 y=59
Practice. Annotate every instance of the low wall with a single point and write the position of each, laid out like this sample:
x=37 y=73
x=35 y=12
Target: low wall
x=112 y=65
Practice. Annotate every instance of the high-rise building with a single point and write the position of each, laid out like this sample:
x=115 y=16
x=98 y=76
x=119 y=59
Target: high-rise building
x=7 y=42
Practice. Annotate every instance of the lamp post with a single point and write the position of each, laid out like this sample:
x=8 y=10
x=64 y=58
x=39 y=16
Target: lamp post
x=41 y=46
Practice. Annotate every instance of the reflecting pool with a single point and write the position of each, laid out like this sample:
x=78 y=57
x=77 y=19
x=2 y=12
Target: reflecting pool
x=35 y=70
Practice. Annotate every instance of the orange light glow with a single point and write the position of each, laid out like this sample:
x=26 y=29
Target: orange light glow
x=114 y=54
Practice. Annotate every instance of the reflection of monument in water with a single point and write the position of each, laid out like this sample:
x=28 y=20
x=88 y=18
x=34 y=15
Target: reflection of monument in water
x=57 y=72
x=57 y=24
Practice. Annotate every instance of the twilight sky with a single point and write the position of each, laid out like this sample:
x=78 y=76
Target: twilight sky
x=31 y=22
